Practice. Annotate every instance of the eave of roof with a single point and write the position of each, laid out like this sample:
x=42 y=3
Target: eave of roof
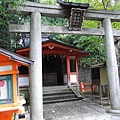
x=62 y=43
x=99 y=65
x=73 y=5
x=16 y=57
x=58 y=42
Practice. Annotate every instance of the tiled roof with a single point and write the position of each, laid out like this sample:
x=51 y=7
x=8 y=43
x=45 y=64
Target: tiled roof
x=73 y=5
x=15 y=57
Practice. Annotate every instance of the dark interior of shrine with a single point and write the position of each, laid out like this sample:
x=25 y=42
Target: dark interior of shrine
x=52 y=70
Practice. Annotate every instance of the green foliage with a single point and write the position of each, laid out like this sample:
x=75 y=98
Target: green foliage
x=55 y=21
x=5 y=16
x=116 y=25
x=48 y=1
x=91 y=24
x=93 y=44
x=116 y=6
x=5 y=19
x=99 y=4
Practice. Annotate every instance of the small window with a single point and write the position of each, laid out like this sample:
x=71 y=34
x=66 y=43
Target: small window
x=6 y=89
x=23 y=70
x=72 y=66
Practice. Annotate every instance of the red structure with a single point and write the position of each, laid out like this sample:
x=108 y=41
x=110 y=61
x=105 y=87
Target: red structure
x=60 y=63
x=10 y=100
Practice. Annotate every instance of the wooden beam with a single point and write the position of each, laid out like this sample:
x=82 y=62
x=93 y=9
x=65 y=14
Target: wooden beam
x=22 y=50
x=59 y=45
x=63 y=52
x=13 y=28
x=58 y=11
x=9 y=72
x=2 y=63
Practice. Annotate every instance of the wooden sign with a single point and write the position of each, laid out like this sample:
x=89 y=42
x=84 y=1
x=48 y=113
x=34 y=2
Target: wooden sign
x=76 y=19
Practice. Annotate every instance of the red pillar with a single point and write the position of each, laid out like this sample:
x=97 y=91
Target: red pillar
x=68 y=69
x=77 y=70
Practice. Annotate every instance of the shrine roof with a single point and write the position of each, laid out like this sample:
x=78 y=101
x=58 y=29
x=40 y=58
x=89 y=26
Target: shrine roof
x=51 y=46
x=62 y=43
x=15 y=57
x=45 y=41
x=73 y=5
x=98 y=65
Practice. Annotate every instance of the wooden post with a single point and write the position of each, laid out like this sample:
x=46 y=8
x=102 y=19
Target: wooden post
x=77 y=70
x=36 y=99
x=14 y=83
x=68 y=69
x=112 y=68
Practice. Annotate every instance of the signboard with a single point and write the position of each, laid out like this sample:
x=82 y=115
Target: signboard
x=76 y=19
x=3 y=89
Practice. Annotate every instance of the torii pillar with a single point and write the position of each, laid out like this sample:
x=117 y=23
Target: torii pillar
x=112 y=68
x=36 y=95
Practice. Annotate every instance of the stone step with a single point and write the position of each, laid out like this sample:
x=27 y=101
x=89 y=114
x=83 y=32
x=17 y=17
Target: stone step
x=57 y=97
x=52 y=88
x=58 y=92
x=54 y=94
x=59 y=100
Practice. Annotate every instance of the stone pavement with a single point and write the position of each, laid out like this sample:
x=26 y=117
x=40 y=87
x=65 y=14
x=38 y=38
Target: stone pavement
x=77 y=110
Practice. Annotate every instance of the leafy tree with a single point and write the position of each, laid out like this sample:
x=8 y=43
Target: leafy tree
x=95 y=45
x=5 y=19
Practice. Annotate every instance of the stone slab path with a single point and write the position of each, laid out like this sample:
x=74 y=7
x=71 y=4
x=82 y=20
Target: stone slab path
x=77 y=110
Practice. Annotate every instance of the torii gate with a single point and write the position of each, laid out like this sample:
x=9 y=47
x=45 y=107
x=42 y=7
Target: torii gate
x=35 y=28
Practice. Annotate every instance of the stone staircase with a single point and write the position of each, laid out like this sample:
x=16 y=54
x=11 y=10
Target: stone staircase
x=55 y=94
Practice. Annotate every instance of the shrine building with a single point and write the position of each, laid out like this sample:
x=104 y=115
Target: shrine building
x=59 y=63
